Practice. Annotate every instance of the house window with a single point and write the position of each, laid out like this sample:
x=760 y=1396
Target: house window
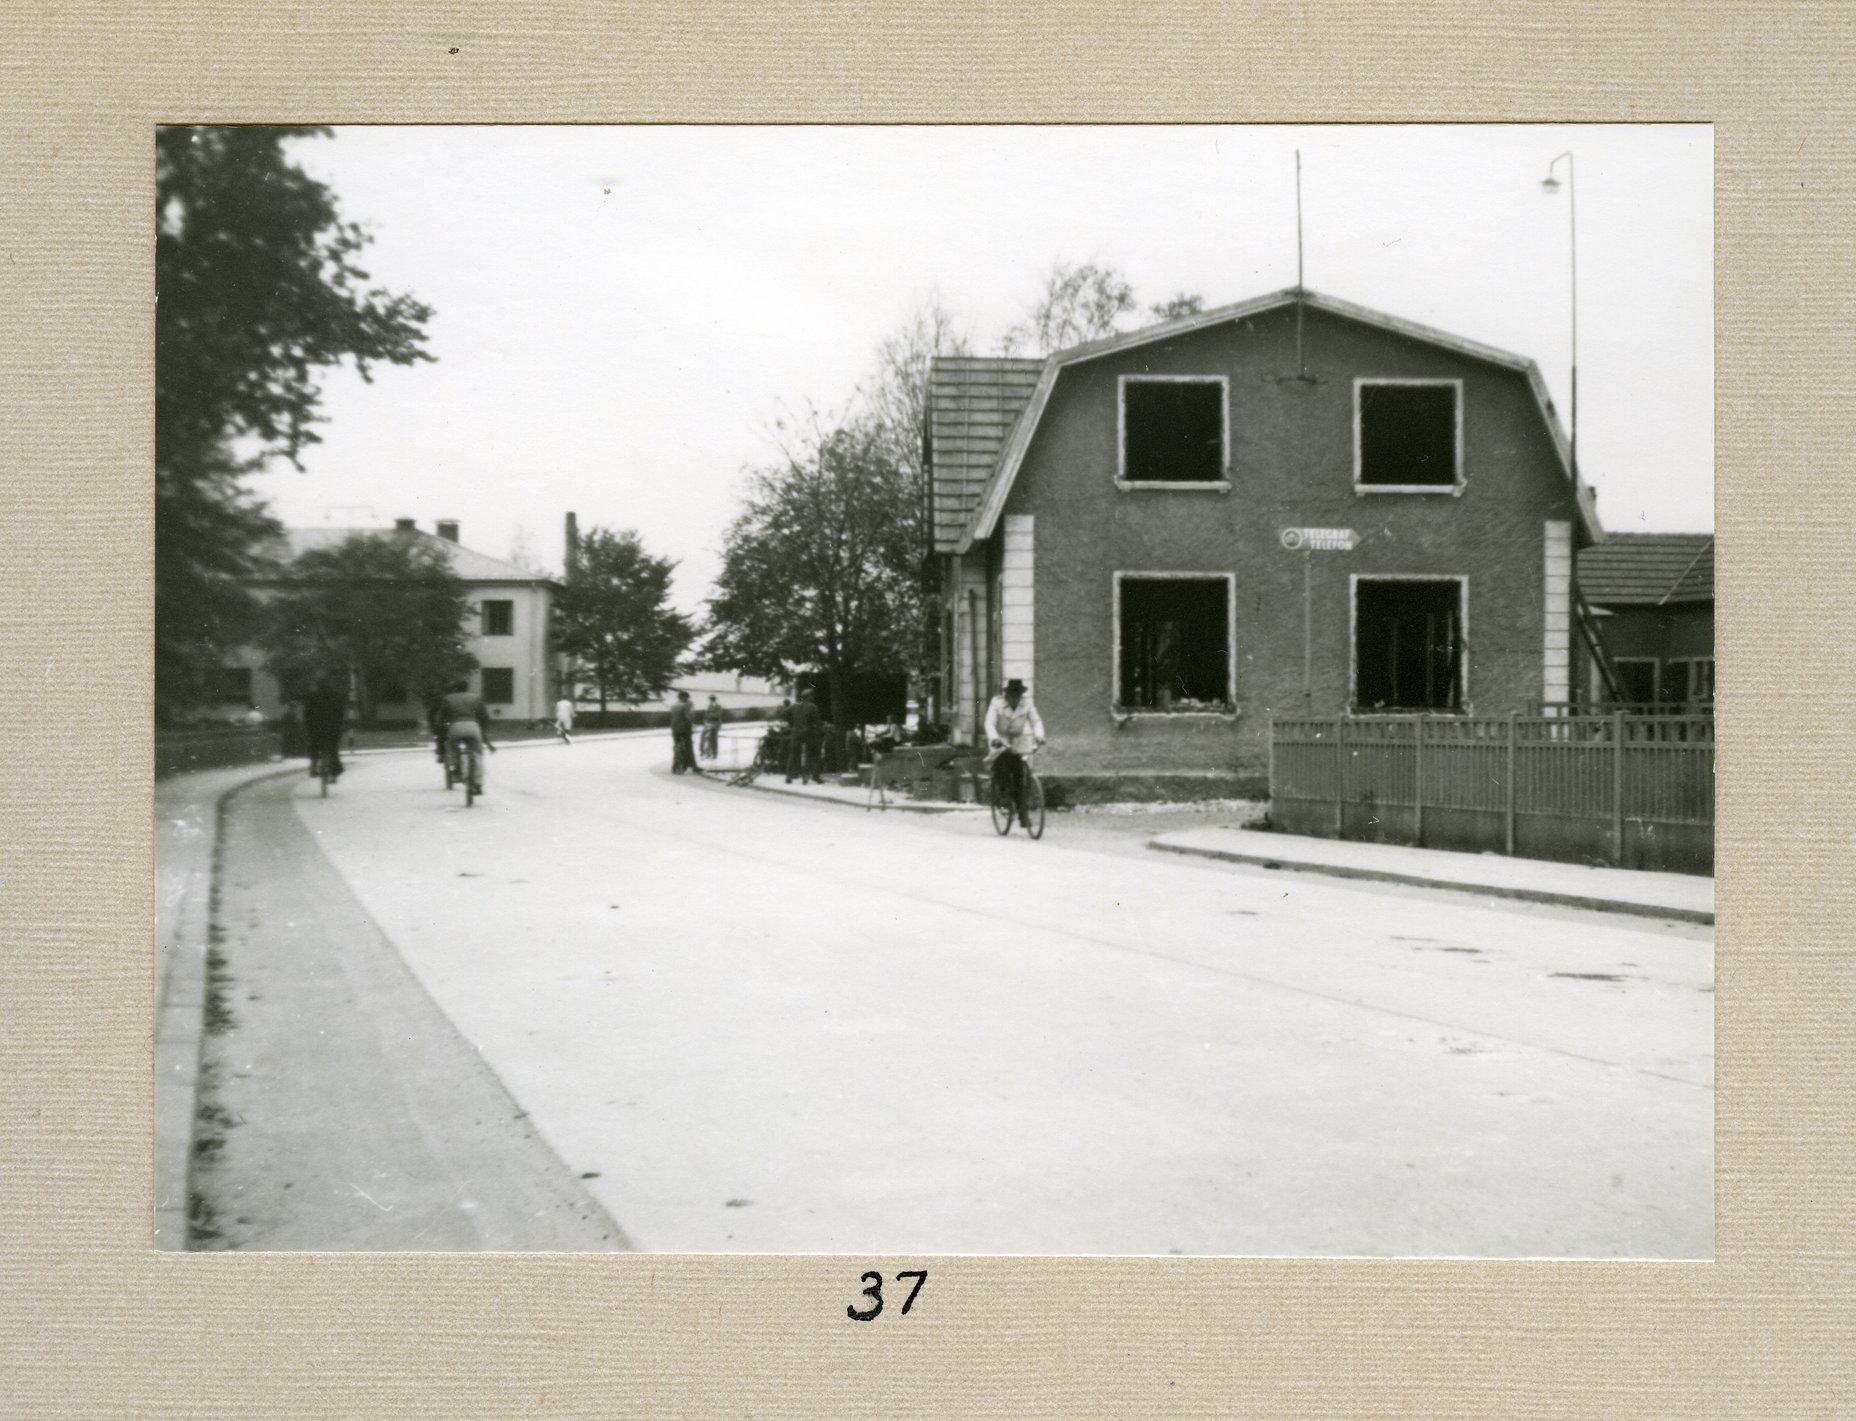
x=1407 y=434
x=232 y=683
x=1695 y=677
x=1173 y=643
x=1408 y=644
x=499 y=685
x=1173 y=431
x=499 y=618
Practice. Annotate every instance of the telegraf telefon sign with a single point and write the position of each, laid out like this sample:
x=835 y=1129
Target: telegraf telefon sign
x=1320 y=540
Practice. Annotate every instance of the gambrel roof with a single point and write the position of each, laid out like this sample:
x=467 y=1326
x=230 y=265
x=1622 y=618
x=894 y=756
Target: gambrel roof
x=1010 y=377
x=1648 y=569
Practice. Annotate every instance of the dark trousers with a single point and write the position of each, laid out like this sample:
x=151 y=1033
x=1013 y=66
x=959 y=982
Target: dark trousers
x=802 y=758
x=1008 y=778
x=683 y=751
x=325 y=744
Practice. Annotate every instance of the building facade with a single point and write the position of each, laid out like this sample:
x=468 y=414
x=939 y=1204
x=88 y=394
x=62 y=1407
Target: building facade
x=1293 y=505
x=510 y=634
x=1652 y=595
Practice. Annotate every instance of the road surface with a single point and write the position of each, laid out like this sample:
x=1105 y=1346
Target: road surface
x=662 y=1013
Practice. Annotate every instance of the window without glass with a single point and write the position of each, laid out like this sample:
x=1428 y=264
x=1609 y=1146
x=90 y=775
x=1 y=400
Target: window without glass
x=499 y=685
x=1175 y=644
x=1172 y=431
x=1637 y=680
x=499 y=618
x=1408 y=644
x=1407 y=435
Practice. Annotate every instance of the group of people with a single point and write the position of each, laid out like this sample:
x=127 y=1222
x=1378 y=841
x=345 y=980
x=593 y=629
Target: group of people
x=683 y=733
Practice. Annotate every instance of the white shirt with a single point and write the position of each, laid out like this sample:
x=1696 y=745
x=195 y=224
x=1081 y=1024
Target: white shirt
x=563 y=709
x=1021 y=729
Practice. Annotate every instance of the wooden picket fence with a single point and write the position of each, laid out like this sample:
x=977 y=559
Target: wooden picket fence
x=1633 y=791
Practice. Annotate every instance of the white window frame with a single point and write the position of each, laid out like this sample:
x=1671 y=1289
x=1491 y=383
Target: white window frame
x=1354 y=580
x=1230 y=643
x=1123 y=482
x=1454 y=488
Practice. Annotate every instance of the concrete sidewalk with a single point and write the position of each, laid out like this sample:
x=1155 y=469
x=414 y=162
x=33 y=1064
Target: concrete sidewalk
x=1680 y=896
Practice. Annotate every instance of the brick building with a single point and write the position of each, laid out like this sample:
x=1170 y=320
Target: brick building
x=1652 y=595
x=1289 y=505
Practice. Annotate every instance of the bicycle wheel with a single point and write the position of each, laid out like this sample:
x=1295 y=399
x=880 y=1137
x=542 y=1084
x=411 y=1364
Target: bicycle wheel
x=1034 y=805
x=1001 y=808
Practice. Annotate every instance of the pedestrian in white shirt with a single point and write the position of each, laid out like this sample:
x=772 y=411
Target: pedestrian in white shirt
x=564 y=719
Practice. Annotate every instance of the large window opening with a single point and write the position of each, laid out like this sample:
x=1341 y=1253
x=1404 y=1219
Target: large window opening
x=1407 y=435
x=1175 y=644
x=1408 y=645
x=1172 y=431
x=499 y=618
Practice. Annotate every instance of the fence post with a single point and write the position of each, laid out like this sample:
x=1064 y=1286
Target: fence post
x=1340 y=777
x=1617 y=788
x=1418 y=777
x=1514 y=718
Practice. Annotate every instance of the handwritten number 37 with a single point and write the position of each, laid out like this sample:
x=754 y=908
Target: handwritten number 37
x=874 y=1292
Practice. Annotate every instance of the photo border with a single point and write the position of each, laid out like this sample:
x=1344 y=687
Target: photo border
x=94 y=1322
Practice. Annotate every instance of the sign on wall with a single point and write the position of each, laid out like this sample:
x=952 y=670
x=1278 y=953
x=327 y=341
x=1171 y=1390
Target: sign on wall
x=1320 y=540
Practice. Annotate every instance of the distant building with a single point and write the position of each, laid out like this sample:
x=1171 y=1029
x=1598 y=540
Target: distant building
x=1292 y=505
x=1653 y=595
x=510 y=636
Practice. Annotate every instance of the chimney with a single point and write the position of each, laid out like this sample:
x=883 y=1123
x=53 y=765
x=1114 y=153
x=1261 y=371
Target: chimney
x=405 y=525
x=448 y=529
x=572 y=562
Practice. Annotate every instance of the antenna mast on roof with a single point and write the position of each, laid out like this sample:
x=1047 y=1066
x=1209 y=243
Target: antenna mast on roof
x=1301 y=359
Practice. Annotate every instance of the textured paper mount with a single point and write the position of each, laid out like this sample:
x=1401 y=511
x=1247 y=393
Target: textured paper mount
x=98 y=1325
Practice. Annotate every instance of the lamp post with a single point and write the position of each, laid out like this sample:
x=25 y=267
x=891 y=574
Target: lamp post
x=1551 y=185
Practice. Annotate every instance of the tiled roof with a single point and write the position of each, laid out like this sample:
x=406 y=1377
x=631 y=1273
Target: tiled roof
x=1648 y=569
x=470 y=565
x=973 y=402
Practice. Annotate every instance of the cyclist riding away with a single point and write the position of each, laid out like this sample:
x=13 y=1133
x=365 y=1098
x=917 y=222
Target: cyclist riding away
x=1013 y=730
x=325 y=716
x=462 y=715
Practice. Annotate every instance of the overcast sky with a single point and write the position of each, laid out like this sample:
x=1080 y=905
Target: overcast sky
x=622 y=313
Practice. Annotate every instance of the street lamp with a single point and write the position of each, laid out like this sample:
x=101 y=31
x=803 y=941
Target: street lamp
x=1551 y=185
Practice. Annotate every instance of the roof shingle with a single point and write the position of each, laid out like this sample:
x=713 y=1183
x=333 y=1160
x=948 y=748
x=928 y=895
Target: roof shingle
x=1648 y=569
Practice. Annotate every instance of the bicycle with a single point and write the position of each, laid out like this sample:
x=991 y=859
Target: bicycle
x=464 y=761
x=1004 y=811
x=319 y=767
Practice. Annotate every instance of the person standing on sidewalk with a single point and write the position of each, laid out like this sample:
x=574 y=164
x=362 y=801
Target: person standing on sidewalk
x=682 y=735
x=564 y=717
x=802 y=746
x=712 y=729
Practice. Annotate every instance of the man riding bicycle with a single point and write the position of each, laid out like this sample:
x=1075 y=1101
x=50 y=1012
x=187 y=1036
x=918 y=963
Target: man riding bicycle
x=1013 y=730
x=462 y=715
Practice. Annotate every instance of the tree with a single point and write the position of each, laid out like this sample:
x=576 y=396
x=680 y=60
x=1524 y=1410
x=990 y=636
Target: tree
x=1183 y=304
x=1079 y=303
x=256 y=291
x=820 y=570
x=614 y=620
x=385 y=606
x=896 y=397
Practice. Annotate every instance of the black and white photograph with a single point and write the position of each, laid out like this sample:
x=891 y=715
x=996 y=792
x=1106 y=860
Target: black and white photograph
x=920 y=690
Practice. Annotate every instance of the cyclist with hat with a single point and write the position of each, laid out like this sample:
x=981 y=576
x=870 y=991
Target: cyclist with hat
x=1013 y=731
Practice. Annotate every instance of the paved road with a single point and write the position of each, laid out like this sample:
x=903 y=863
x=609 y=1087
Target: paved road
x=752 y=1023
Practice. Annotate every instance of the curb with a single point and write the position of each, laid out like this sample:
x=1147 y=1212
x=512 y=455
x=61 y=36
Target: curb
x=180 y=1028
x=1531 y=895
x=715 y=777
